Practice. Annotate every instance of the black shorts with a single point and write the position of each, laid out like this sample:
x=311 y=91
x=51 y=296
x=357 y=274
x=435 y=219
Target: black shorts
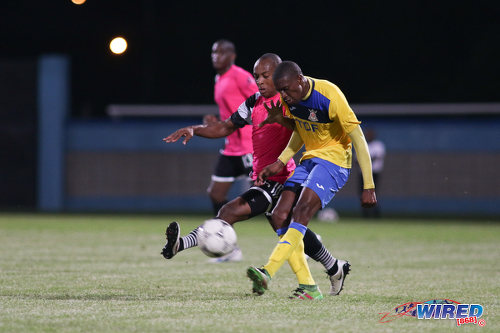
x=229 y=168
x=263 y=198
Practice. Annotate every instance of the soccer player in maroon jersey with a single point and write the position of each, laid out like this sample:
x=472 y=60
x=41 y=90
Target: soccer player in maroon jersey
x=268 y=141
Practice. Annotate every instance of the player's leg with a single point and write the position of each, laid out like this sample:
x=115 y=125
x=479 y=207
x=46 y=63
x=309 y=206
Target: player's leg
x=307 y=287
x=313 y=197
x=326 y=179
x=256 y=201
x=313 y=246
x=262 y=276
x=217 y=191
x=226 y=171
x=294 y=232
x=253 y=202
x=306 y=207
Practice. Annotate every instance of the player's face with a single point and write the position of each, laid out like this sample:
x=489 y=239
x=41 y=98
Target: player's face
x=290 y=88
x=222 y=57
x=263 y=75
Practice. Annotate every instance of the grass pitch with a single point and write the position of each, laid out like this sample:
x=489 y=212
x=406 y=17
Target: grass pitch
x=104 y=273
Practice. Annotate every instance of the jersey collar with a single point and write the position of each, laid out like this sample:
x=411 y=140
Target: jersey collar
x=311 y=88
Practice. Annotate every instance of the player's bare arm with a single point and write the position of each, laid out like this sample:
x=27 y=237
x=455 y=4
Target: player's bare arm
x=213 y=130
x=268 y=171
x=275 y=115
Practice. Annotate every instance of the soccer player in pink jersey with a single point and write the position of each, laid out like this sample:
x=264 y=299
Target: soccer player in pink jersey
x=233 y=85
x=268 y=141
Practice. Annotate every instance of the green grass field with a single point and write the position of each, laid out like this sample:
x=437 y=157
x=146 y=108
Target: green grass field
x=104 y=273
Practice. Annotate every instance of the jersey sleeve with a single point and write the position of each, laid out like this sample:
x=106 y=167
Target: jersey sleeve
x=340 y=108
x=243 y=116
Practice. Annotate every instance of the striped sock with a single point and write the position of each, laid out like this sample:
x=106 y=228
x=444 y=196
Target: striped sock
x=188 y=241
x=323 y=256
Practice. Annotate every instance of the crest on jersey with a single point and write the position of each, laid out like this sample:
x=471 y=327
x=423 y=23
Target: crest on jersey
x=312 y=115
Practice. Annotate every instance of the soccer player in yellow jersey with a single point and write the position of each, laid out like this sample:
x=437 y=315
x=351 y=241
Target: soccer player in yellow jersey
x=327 y=126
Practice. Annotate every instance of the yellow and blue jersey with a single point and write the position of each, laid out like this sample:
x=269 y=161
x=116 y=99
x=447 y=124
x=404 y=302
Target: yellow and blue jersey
x=323 y=120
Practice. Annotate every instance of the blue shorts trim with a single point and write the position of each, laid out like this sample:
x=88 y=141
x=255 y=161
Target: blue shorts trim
x=323 y=177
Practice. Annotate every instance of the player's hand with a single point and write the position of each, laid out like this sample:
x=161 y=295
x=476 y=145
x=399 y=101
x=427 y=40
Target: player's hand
x=186 y=132
x=274 y=113
x=368 y=198
x=268 y=171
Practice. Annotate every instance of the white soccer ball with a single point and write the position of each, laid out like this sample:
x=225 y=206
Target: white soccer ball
x=216 y=238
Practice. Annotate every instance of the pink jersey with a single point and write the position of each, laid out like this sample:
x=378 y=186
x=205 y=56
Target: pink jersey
x=231 y=89
x=269 y=140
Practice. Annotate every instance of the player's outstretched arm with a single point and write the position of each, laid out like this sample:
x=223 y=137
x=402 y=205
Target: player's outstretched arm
x=368 y=196
x=275 y=115
x=186 y=132
x=218 y=129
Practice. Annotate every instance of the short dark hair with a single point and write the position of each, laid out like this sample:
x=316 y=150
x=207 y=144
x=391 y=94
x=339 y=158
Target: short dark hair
x=286 y=68
x=227 y=44
x=272 y=57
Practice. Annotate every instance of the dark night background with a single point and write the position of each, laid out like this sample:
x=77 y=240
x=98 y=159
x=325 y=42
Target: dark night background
x=376 y=51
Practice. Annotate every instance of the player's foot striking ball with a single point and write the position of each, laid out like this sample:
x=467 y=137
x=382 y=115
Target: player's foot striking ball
x=337 y=279
x=170 y=249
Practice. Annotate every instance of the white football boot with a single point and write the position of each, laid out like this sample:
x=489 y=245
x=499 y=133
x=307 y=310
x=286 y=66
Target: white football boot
x=337 y=279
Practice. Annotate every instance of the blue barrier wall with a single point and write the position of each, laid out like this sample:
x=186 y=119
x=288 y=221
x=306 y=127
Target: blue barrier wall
x=440 y=165
x=465 y=149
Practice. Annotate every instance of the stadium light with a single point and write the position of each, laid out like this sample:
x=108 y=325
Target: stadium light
x=78 y=2
x=118 y=45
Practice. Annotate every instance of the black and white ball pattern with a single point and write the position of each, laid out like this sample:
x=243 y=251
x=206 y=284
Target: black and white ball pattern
x=216 y=238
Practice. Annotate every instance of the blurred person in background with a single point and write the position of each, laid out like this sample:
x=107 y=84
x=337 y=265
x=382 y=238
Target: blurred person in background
x=377 y=153
x=233 y=85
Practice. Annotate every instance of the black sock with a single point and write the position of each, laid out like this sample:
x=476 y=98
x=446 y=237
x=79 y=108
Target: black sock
x=316 y=250
x=312 y=245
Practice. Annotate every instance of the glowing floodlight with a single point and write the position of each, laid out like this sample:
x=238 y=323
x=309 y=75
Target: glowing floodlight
x=118 y=45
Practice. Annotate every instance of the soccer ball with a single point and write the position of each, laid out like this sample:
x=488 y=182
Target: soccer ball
x=216 y=238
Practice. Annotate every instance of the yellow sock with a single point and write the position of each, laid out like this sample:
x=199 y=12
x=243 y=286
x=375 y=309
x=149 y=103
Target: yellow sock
x=283 y=250
x=299 y=265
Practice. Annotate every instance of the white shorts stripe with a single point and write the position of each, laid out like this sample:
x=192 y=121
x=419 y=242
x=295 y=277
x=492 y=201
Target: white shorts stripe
x=223 y=179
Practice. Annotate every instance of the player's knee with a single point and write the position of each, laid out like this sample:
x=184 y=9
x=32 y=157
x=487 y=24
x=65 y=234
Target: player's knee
x=234 y=211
